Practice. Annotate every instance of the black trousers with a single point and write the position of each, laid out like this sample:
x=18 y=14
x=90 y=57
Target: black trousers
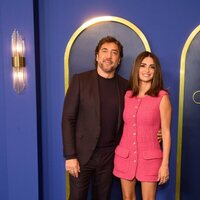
x=98 y=172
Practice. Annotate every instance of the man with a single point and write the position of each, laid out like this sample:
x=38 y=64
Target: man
x=92 y=123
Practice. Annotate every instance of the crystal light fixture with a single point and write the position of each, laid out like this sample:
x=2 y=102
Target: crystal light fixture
x=18 y=62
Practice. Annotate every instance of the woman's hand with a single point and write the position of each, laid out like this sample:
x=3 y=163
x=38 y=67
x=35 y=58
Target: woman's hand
x=163 y=174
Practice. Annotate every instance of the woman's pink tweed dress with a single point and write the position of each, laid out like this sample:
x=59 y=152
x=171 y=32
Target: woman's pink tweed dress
x=139 y=154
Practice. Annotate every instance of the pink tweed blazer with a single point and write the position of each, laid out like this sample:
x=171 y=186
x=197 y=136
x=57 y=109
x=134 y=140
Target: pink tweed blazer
x=139 y=154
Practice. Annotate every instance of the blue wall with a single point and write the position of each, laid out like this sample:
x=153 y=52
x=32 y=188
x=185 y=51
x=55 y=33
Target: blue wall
x=18 y=122
x=166 y=25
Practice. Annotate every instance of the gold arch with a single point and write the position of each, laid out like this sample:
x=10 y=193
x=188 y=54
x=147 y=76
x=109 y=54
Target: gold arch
x=180 y=115
x=77 y=33
x=90 y=23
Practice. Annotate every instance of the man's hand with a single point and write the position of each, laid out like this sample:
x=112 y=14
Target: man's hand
x=72 y=166
x=159 y=136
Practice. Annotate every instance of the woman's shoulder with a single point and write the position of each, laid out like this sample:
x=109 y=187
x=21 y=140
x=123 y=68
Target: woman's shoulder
x=163 y=93
x=129 y=94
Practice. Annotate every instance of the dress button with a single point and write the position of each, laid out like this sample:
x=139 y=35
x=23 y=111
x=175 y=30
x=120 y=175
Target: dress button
x=134 y=152
x=134 y=124
x=134 y=161
x=134 y=133
x=134 y=143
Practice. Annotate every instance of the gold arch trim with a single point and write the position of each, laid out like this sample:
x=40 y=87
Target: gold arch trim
x=90 y=23
x=181 y=103
x=77 y=33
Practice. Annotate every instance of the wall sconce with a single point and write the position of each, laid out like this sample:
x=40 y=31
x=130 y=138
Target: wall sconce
x=18 y=62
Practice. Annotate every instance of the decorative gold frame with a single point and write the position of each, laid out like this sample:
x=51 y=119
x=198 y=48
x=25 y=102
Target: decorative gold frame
x=90 y=23
x=180 y=113
x=78 y=32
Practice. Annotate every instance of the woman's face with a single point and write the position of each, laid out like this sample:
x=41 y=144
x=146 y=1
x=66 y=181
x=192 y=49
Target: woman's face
x=146 y=70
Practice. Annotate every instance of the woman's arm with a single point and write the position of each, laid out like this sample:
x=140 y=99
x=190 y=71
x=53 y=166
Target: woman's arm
x=165 y=114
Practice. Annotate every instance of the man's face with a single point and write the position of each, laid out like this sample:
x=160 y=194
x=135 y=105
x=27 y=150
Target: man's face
x=108 y=58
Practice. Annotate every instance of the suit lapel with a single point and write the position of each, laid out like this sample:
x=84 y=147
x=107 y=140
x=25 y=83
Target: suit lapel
x=121 y=103
x=95 y=86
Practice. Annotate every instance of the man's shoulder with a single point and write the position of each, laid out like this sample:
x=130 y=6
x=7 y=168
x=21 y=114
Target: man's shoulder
x=122 y=80
x=86 y=73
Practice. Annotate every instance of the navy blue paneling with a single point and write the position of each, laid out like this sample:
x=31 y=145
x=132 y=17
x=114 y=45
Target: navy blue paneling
x=52 y=46
x=191 y=126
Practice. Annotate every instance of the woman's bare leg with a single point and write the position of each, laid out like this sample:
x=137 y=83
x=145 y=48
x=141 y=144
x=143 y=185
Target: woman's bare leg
x=148 y=190
x=128 y=189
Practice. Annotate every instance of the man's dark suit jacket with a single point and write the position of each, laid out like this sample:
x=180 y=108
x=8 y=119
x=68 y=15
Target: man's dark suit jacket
x=81 y=115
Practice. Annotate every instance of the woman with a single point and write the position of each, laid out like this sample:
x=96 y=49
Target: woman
x=147 y=109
